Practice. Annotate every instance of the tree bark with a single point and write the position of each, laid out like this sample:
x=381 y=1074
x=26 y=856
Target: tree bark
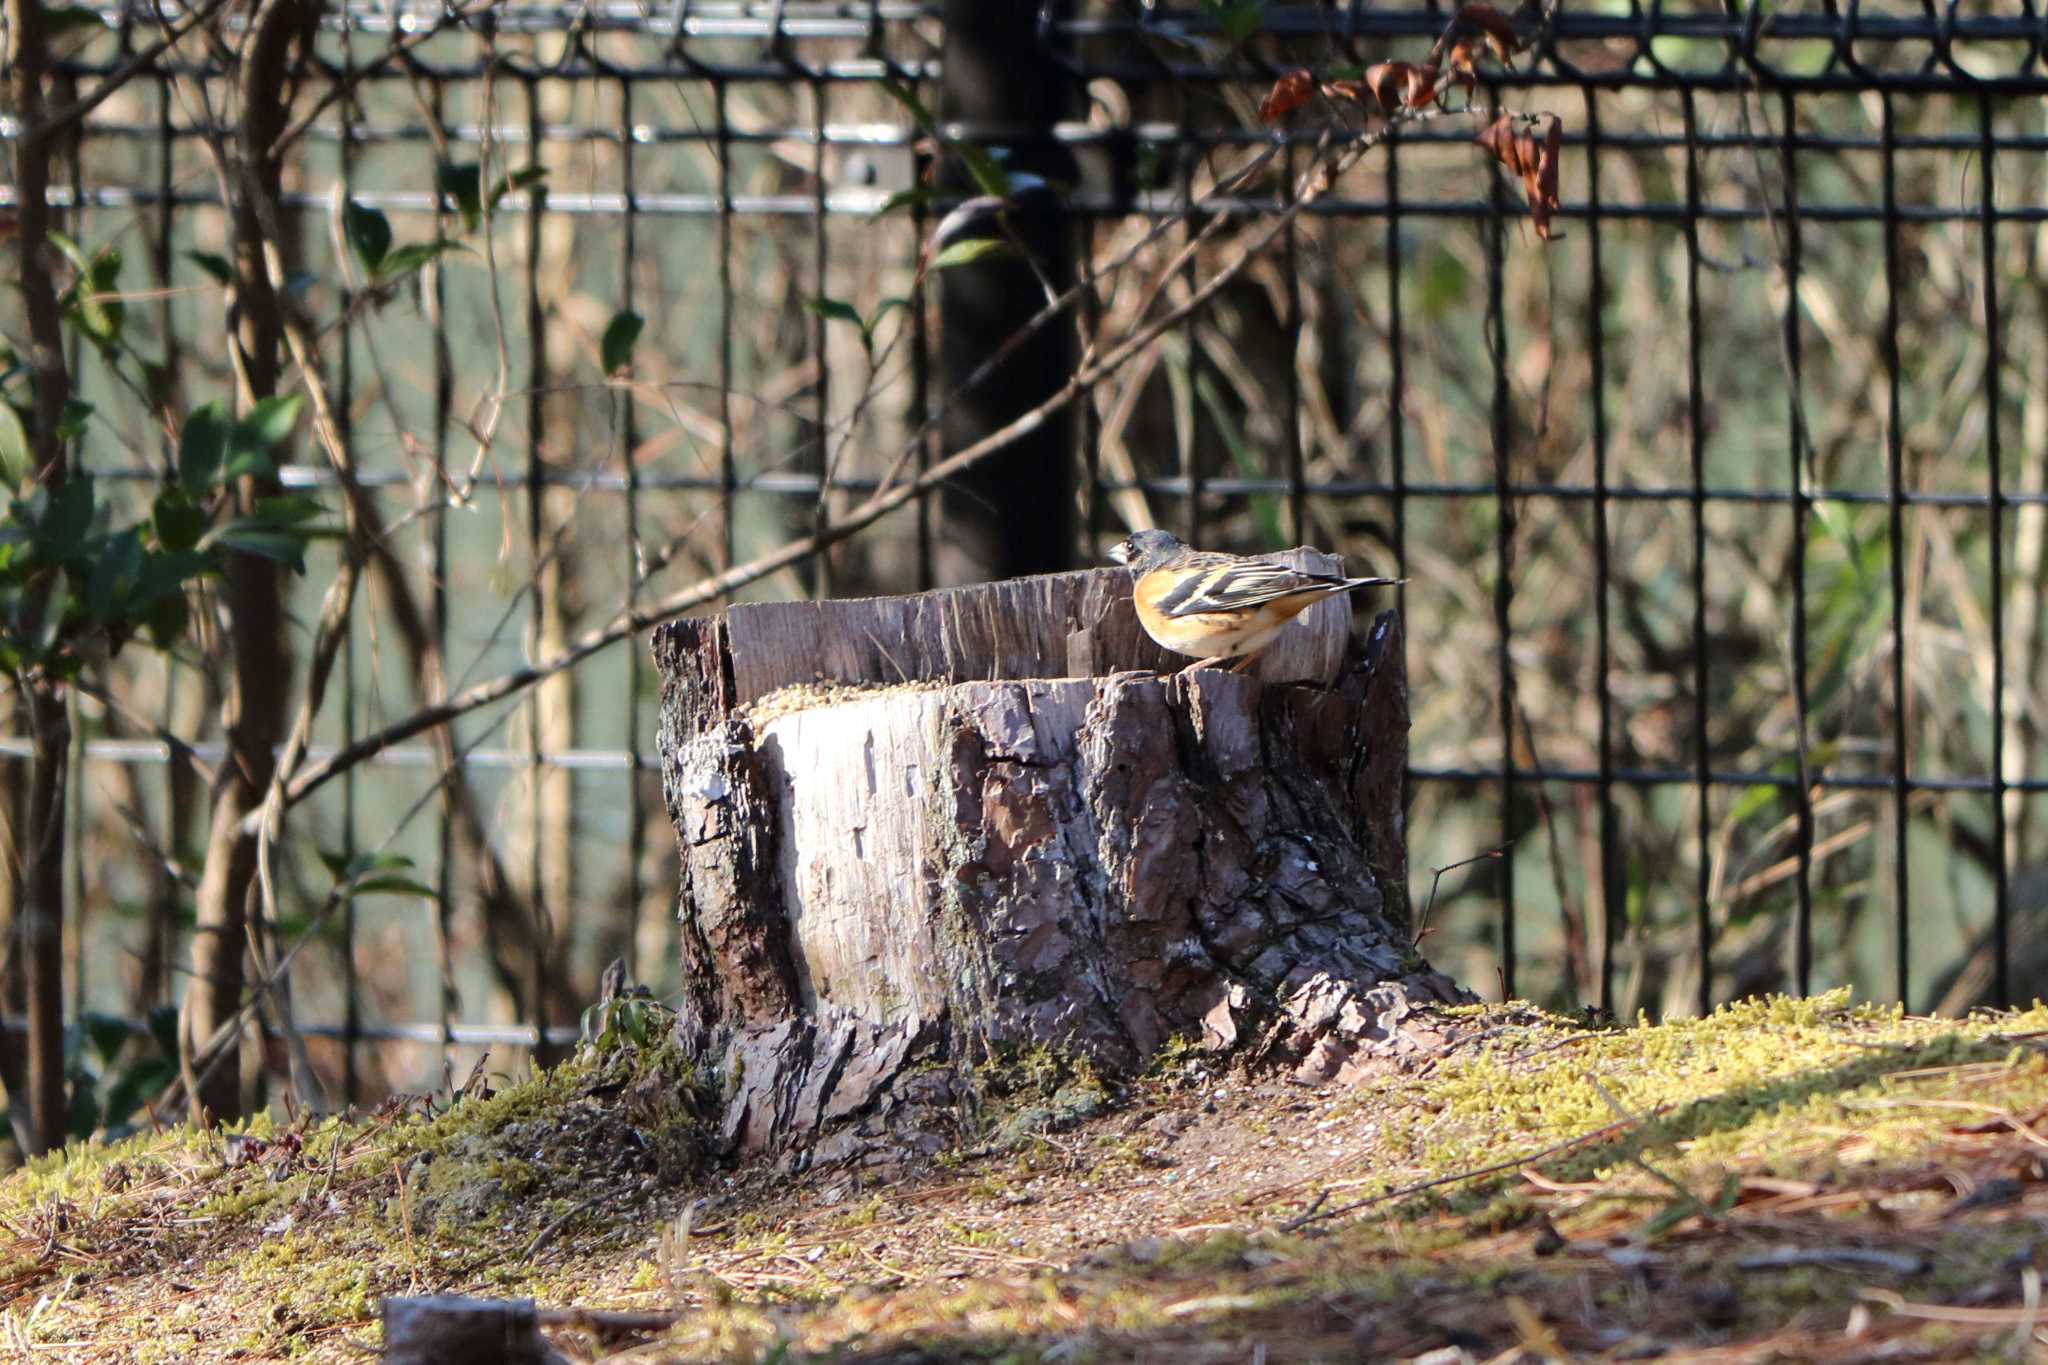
x=41 y=913
x=258 y=659
x=921 y=833
x=1015 y=514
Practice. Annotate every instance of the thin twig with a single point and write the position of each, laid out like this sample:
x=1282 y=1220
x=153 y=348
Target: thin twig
x=1497 y=1168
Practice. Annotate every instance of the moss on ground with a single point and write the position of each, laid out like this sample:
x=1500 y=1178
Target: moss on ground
x=156 y=1242
x=1809 y=1178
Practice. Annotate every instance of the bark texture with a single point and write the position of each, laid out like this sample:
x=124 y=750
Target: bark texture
x=257 y=645
x=35 y=1087
x=884 y=886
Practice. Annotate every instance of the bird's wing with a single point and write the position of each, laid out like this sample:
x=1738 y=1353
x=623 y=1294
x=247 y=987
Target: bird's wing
x=1227 y=583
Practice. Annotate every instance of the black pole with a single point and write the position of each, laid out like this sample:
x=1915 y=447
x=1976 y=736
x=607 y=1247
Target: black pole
x=1015 y=513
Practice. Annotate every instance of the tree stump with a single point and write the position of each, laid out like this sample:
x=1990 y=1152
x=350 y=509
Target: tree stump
x=919 y=833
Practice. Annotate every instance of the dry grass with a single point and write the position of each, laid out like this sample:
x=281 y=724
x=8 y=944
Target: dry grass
x=1793 y=1178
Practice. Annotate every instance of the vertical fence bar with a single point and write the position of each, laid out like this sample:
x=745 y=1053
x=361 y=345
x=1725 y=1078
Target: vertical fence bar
x=352 y=1009
x=728 y=467
x=1290 y=328
x=1397 y=400
x=1895 y=527
x=1397 y=445
x=74 y=919
x=446 y=1001
x=1695 y=412
x=1613 y=895
x=1191 y=227
x=1495 y=228
x=1800 y=450
x=536 y=470
x=821 y=392
x=163 y=942
x=629 y=441
x=921 y=369
x=1994 y=363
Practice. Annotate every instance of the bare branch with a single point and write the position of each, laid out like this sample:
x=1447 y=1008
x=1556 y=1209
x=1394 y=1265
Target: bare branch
x=884 y=501
x=140 y=61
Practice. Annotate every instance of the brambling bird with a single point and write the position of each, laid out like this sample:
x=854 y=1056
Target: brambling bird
x=1219 y=607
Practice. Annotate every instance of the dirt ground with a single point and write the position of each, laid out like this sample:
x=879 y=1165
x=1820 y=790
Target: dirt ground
x=1791 y=1180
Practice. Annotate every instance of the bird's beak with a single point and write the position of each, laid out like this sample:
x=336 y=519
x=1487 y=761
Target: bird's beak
x=1120 y=553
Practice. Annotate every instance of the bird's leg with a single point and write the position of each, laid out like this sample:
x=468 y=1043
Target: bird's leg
x=1244 y=662
x=1213 y=661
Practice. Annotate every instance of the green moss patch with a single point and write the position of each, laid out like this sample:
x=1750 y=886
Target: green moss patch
x=1799 y=1179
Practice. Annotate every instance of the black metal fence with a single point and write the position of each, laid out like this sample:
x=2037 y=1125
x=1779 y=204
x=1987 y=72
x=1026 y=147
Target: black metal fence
x=1724 y=515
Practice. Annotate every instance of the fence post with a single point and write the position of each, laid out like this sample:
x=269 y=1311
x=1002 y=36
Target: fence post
x=1015 y=514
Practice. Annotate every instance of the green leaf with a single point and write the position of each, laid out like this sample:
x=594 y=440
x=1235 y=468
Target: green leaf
x=288 y=510
x=131 y=1088
x=247 y=461
x=901 y=198
x=410 y=257
x=71 y=425
x=72 y=251
x=983 y=168
x=88 y=303
x=392 y=886
x=837 y=310
x=163 y=1027
x=106 y=1034
x=970 y=250
x=463 y=182
x=986 y=171
x=619 y=335
x=368 y=862
x=633 y=1021
x=903 y=95
x=1755 y=797
x=266 y=424
x=262 y=429
x=202 y=445
x=369 y=234
x=17 y=462
x=70 y=19
x=64 y=524
x=250 y=537
x=114 y=571
x=520 y=179
x=216 y=266
x=106 y=269
x=1239 y=19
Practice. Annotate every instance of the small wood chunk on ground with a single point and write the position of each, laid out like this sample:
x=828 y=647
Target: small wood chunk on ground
x=446 y=1329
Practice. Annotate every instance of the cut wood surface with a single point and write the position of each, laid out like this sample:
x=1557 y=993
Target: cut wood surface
x=1050 y=626
x=912 y=842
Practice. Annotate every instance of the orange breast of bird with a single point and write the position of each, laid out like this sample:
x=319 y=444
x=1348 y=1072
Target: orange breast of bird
x=1214 y=634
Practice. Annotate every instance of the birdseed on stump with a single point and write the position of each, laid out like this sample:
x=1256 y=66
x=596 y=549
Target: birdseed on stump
x=922 y=833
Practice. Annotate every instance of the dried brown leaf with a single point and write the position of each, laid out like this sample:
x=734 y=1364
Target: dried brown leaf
x=1498 y=138
x=1499 y=33
x=1288 y=94
x=1395 y=84
x=1542 y=186
x=1536 y=162
x=1421 y=85
x=1354 y=91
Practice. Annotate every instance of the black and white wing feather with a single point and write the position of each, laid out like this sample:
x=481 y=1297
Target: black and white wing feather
x=1226 y=583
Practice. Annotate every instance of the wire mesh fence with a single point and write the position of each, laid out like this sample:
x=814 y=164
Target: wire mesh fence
x=1725 y=515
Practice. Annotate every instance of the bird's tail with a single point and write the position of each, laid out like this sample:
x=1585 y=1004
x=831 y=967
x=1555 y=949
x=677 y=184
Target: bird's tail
x=1353 y=584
